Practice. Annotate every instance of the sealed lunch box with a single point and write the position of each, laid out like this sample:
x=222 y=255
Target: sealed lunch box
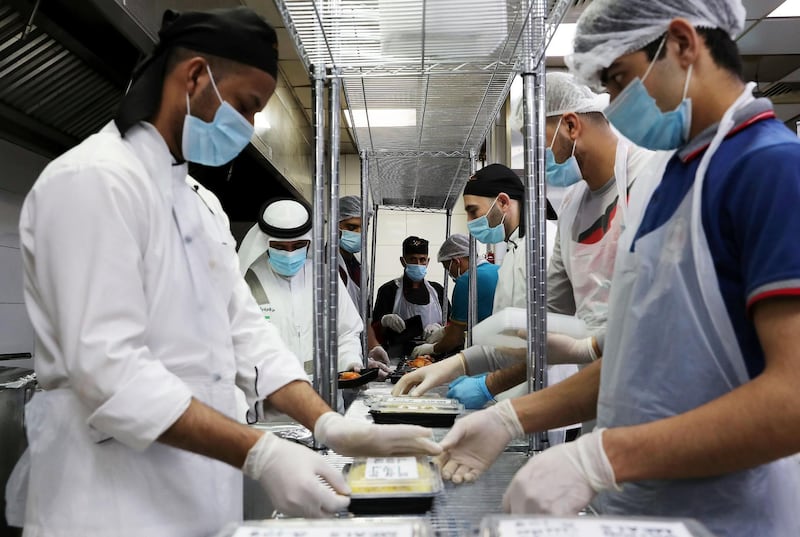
x=392 y=485
x=588 y=526
x=335 y=527
x=428 y=412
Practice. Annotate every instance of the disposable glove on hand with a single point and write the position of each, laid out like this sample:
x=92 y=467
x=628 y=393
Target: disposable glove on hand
x=393 y=322
x=421 y=380
x=472 y=391
x=358 y=438
x=288 y=473
x=433 y=333
x=379 y=354
x=563 y=349
x=422 y=350
x=476 y=440
x=383 y=369
x=563 y=479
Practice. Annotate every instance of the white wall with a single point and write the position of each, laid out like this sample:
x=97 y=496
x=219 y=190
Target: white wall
x=394 y=226
x=20 y=169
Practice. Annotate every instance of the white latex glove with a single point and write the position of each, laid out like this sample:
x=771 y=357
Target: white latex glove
x=433 y=333
x=393 y=322
x=563 y=349
x=476 y=440
x=288 y=473
x=421 y=380
x=422 y=350
x=358 y=438
x=383 y=369
x=563 y=479
x=379 y=354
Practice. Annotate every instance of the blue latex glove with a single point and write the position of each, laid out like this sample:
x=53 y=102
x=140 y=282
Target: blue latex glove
x=471 y=391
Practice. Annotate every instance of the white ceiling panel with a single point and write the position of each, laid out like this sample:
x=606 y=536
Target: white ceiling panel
x=772 y=36
x=757 y=9
x=794 y=76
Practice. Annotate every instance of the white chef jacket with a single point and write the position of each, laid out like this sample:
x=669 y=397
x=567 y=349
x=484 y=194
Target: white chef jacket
x=511 y=279
x=133 y=288
x=290 y=309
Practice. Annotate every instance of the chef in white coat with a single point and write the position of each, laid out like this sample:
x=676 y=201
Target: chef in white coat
x=274 y=260
x=144 y=324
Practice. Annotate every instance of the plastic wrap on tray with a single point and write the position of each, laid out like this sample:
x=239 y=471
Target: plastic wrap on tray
x=416 y=411
x=407 y=526
x=389 y=485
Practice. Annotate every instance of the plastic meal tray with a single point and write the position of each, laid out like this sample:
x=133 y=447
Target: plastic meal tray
x=362 y=526
x=416 y=412
x=368 y=375
x=392 y=485
x=439 y=402
x=588 y=526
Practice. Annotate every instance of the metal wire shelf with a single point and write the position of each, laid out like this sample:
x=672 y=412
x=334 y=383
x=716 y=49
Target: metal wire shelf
x=449 y=63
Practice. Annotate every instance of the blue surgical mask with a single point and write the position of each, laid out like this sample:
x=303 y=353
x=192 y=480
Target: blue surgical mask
x=287 y=263
x=637 y=116
x=450 y=270
x=566 y=173
x=479 y=228
x=416 y=273
x=218 y=142
x=350 y=241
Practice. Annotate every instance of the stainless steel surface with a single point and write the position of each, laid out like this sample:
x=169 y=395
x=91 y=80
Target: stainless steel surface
x=472 y=313
x=363 y=284
x=333 y=239
x=17 y=386
x=372 y=257
x=320 y=327
x=446 y=279
x=535 y=204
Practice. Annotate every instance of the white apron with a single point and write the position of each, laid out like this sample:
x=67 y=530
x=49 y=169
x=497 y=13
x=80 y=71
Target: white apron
x=671 y=276
x=353 y=287
x=589 y=267
x=430 y=312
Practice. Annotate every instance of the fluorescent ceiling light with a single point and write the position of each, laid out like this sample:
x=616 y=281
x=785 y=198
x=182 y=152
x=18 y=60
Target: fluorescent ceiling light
x=561 y=44
x=383 y=117
x=790 y=8
x=261 y=121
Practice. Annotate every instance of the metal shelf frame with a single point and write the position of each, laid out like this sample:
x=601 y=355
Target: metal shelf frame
x=381 y=54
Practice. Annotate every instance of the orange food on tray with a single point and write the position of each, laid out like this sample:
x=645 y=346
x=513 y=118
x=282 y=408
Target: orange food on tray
x=420 y=361
x=349 y=375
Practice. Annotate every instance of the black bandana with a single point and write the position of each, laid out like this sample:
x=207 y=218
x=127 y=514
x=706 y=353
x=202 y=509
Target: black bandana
x=494 y=179
x=237 y=34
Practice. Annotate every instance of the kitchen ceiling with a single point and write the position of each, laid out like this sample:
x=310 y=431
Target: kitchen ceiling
x=62 y=74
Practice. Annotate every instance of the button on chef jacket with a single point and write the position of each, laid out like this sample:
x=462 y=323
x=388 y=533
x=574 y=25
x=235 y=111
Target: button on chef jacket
x=134 y=291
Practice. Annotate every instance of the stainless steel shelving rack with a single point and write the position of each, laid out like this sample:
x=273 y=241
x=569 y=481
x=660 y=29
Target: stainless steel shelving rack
x=452 y=62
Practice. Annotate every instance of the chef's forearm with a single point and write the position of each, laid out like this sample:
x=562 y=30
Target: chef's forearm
x=299 y=400
x=203 y=430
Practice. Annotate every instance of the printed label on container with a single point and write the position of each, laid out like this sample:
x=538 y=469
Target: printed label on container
x=322 y=531
x=391 y=468
x=590 y=528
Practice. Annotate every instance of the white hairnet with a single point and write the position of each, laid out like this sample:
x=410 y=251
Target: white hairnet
x=563 y=93
x=608 y=29
x=281 y=214
x=350 y=207
x=454 y=247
